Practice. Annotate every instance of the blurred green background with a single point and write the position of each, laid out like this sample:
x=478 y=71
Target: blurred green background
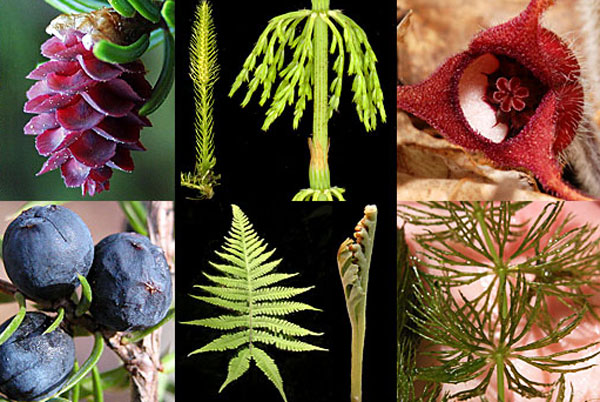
x=22 y=31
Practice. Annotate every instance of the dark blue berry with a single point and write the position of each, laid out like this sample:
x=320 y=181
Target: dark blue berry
x=131 y=283
x=44 y=249
x=34 y=366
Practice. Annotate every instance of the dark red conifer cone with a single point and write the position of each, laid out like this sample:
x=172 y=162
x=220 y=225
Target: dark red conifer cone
x=87 y=119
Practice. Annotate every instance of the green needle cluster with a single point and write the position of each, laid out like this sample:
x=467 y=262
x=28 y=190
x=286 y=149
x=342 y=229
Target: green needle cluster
x=521 y=268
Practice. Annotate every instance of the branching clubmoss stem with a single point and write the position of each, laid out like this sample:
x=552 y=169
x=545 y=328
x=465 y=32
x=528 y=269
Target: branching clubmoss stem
x=204 y=71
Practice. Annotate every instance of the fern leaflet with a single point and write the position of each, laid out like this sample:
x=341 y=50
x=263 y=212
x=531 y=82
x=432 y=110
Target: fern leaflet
x=256 y=308
x=204 y=71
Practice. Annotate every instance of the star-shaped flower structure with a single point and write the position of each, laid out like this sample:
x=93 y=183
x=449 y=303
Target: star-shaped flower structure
x=510 y=94
x=515 y=95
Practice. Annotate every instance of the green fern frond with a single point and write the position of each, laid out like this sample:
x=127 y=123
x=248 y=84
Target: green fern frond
x=271 y=279
x=216 y=301
x=256 y=308
x=282 y=343
x=237 y=366
x=225 y=342
x=221 y=322
x=204 y=72
x=282 y=308
x=272 y=323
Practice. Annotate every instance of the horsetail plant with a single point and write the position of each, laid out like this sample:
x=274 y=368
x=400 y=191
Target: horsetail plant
x=354 y=262
x=204 y=71
x=244 y=287
x=305 y=78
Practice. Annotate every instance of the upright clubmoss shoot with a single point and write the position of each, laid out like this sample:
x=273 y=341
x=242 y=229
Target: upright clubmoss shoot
x=204 y=71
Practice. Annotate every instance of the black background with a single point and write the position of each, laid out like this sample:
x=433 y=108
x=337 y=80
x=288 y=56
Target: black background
x=260 y=173
x=273 y=165
x=307 y=237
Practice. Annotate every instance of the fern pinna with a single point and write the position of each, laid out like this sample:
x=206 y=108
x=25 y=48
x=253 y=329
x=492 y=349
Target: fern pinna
x=245 y=288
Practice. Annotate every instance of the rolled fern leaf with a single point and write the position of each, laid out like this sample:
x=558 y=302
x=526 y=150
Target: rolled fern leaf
x=248 y=287
x=354 y=261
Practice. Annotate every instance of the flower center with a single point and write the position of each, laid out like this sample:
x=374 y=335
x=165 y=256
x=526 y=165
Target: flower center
x=514 y=93
x=498 y=96
x=510 y=94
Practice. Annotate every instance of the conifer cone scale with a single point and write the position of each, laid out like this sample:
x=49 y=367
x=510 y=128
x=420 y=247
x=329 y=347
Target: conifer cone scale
x=87 y=119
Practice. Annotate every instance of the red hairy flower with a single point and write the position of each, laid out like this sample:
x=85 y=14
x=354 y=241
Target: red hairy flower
x=88 y=121
x=514 y=94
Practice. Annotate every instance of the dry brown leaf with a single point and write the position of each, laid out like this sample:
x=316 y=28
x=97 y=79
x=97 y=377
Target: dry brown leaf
x=423 y=156
x=440 y=29
x=419 y=189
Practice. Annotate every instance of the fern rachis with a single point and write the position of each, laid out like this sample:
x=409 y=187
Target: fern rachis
x=245 y=287
x=354 y=263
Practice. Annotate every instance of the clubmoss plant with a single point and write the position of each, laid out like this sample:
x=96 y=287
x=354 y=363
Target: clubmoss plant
x=305 y=78
x=204 y=71
x=245 y=288
x=354 y=262
x=522 y=269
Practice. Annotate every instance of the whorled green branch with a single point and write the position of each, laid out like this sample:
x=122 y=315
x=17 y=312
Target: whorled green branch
x=265 y=65
x=521 y=268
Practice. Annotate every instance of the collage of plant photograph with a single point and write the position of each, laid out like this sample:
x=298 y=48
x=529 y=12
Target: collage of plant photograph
x=394 y=200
